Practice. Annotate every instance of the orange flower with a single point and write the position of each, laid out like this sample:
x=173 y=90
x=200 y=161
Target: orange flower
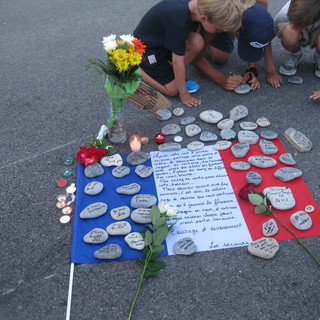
x=139 y=45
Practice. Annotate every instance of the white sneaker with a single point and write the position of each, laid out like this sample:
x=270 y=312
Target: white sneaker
x=288 y=66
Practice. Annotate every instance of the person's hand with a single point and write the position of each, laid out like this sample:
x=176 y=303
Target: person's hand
x=189 y=100
x=230 y=82
x=315 y=95
x=252 y=80
x=274 y=78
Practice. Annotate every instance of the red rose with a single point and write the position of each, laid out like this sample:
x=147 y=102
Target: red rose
x=246 y=189
x=88 y=156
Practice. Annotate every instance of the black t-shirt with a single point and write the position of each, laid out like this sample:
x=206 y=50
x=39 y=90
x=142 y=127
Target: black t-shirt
x=166 y=25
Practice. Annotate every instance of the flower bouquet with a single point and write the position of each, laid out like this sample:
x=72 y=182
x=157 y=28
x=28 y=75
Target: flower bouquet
x=123 y=77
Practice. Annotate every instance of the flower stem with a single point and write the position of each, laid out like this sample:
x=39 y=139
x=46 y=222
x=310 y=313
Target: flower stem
x=146 y=262
x=297 y=238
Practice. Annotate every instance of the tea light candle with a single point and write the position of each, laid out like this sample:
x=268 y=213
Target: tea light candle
x=65 y=219
x=144 y=140
x=68 y=161
x=62 y=183
x=72 y=188
x=160 y=138
x=66 y=210
x=60 y=204
x=135 y=143
x=67 y=173
x=62 y=197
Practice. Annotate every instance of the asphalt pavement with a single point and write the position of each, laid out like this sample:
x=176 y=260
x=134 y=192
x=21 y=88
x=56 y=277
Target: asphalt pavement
x=50 y=107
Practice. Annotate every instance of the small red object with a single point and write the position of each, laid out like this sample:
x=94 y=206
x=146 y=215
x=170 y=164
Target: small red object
x=62 y=183
x=160 y=138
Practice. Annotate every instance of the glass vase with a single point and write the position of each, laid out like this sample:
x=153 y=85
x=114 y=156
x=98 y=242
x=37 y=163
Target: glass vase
x=117 y=132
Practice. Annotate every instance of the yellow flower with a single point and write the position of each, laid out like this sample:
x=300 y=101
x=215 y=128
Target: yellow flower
x=135 y=58
x=122 y=65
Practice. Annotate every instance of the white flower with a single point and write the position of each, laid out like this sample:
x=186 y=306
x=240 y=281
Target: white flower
x=128 y=38
x=109 y=42
x=169 y=211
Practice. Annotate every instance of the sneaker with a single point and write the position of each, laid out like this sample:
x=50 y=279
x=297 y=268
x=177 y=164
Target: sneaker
x=288 y=66
x=316 y=58
x=192 y=86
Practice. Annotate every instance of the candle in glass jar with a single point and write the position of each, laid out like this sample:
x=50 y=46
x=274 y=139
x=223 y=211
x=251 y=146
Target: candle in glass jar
x=135 y=143
x=160 y=138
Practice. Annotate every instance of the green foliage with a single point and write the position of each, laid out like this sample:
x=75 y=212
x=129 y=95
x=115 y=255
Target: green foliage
x=103 y=144
x=260 y=201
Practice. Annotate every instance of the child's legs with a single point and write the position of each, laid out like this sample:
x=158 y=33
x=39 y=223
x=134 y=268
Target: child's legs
x=221 y=47
x=290 y=38
x=194 y=46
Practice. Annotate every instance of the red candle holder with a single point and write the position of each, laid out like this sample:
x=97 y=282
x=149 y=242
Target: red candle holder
x=160 y=138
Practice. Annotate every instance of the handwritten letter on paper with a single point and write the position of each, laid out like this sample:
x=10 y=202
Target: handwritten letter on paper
x=197 y=183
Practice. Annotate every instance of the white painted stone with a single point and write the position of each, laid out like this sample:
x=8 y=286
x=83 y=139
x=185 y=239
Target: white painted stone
x=135 y=158
x=96 y=235
x=143 y=171
x=135 y=240
x=238 y=112
x=270 y=228
x=129 y=189
x=298 y=140
x=248 y=125
x=94 y=170
x=207 y=136
x=113 y=160
x=268 y=134
x=227 y=134
x=249 y=137
x=119 y=228
x=195 y=145
x=141 y=215
x=93 y=188
x=185 y=246
x=263 y=122
x=163 y=114
x=178 y=112
x=262 y=161
x=288 y=173
x=253 y=177
x=225 y=124
x=264 y=248
x=187 y=120
x=177 y=139
x=120 y=213
x=222 y=145
x=169 y=146
x=109 y=252
x=121 y=171
x=243 y=88
x=143 y=201
x=240 y=165
x=309 y=208
x=301 y=220
x=211 y=116
x=268 y=147
x=192 y=130
x=287 y=159
x=171 y=129
x=240 y=150
x=281 y=198
x=94 y=210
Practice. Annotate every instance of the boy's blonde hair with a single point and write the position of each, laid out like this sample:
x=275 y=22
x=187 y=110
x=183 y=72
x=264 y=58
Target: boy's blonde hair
x=225 y=13
x=303 y=13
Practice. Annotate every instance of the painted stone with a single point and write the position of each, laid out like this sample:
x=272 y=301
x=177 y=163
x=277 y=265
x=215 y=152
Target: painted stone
x=129 y=189
x=301 y=220
x=225 y=124
x=120 y=213
x=93 y=188
x=187 y=120
x=195 y=145
x=240 y=165
x=94 y=170
x=222 y=145
x=119 y=228
x=171 y=129
x=121 y=171
x=164 y=114
x=211 y=116
x=135 y=158
x=248 y=125
x=94 y=210
x=281 y=198
x=143 y=201
x=207 y=136
x=135 y=240
x=262 y=161
x=298 y=140
x=287 y=159
x=240 y=150
x=238 y=112
x=113 y=160
x=169 y=146
x=248 y=137
x=192 y=130
x=268 y=147
x=270 y=228
x=253 y=177
x=109 y=252
x=141 y=215
x=288 y=173
x=96 y=235
x=184 y=246
x=143 y=171
x=264 y=248
x=263 y=122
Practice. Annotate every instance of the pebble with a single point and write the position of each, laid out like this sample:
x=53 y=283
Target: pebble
x=94 y=210
x=240 y=150
x=187 y=120
x=211 y=116
x=96 y=235
x=141 y=215
x=264 y=248
x=93 y=188
x=94 y=170
x=227 y=134
x=192 y=130
x=295 y=80
x=249 y=137
x=171 y=129
x=287 y=159
x=309 y=208
x=242 y=89
x=240 y=165
x=120 y=213
x=177 y=139
x=143 y=201
x=222 y=145
x=169 y=146
x=281 y=198
x=288 y=173
x=178 y=112
x=119 y=228
x=143 y=171
x=268 y=134
x=268 y=147
x=248 y=125
x=298 y=140
x=164 y=114
x=121 y=171
x=185 y=246
x=207 y=136
x=135 y=240
x=263 y=122
x=195 y=145
x=113 y=160
x=111 y=251
x=253 y=177
x=262 y=161
x=135 y=158
x=301 y=220
x=238 y=112
x=129 y=189
x=270 y=228
x=225 y=124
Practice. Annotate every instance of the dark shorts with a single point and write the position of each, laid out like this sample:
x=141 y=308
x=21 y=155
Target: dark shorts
x=157 y=64
x=223 y=41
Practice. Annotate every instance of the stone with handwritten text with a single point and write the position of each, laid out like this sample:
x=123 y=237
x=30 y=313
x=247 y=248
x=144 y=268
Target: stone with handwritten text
x=281 y=198
x=253 y=177
x=238 y=112
x=178 y=112
x=121 y=171
x=119 y=228
x=95 y=236
x=135 y=158
x=184 y=246
x=207 y=136
x=270 y=228
x=143 y=171
x=248 y=125
x=227 y=134
x=143 y=201
x=301 y=220
x=268 y=147
x=240 y=165
x=135 y=240
x=114 y=160
x=120 y=213
x=129 y=189
x=94 y=210
x=298 y=140
x=240 y=150
x=195 y=145
x=262 y=161
x=287 y=158
x=211 y=116
x=171 y=129
x=94 y=170
x=263 y=122
x=192 y=130
x=222 y=145
x=268 y=134
x=164 y=114
x=141 y=215
x=288 y=173
x=187 y=120
x=264 y=248
x=225 y=124
x=169 y=146
x=93 y=188
x=247 y=136
x=109 y=252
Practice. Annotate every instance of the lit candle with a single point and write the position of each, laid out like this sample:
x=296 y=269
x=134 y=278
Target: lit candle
x=144 y=140
x=62 y=197
x=135 y=143
x=65 y=219
x=160 y=138
x=60 y=204
x=66 y=210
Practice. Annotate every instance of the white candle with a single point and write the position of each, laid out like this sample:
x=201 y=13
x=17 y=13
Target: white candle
x=135 y=143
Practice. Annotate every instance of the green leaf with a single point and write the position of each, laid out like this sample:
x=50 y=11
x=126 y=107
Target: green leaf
x=260 y=209
x=155 y=214
x=160 y=234
x=148 y=274
x=255 y=199
x=148 y=238
x=159 y=248
x=155 y=265
x=111 y=150
x=155 y=255
x=267 y=211
x=160 y=222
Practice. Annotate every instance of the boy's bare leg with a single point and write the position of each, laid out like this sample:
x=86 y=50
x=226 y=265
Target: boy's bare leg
x=290 y=38
x=218 y=56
